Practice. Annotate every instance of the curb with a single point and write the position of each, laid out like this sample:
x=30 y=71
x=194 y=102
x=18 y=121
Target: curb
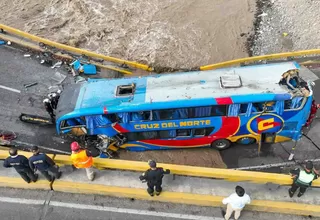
x=21 y=184
x=170 y=197
x=217 y=173
x=186 y=198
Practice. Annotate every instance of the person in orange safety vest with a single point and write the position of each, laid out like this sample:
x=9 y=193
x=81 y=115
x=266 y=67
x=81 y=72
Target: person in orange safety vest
x=82 y=159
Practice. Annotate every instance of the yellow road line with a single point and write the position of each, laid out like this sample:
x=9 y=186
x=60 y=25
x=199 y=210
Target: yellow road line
x=73 y=49
x=20 y=183
x=185 y=198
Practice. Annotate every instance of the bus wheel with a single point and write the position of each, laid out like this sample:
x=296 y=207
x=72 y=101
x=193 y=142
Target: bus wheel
x=221 y=144
x=246 y=140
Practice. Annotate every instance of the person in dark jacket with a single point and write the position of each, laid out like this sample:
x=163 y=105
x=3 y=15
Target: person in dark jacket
x=153 y=177
x=21 y=164
x=303 y=179
x=49 y=109
x=43 y=163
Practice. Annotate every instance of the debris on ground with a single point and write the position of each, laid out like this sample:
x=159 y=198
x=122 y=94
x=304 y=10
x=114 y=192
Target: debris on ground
x=2 y=42
x=30 y=84
x=59 y=77
x=54 y=88
x=57 y=65
x=27 y=55
x=6 y=137
x=47 y=62
x=79 y=79
x=89 y=69
x=35 y=119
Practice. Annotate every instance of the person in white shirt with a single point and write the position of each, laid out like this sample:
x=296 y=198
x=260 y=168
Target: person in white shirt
x=236 y=202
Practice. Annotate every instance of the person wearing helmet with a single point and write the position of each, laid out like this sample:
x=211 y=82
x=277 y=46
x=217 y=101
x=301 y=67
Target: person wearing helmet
x=44 y=164
x=54 y=99
x=153 y=177
x=48 y=107
x=82 y=159
x=303 y=179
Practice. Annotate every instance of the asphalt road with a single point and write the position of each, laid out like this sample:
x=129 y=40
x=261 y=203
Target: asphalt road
x=17 y=70
x=18 y=204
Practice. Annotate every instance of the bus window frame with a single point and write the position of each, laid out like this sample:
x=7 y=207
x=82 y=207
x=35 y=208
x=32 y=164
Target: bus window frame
x=70 y=127
x=190 y=135
x=304 y=101
x=151 y=114
x=254 y=112
x=285 y=110
x=173 y=109
x=205 y=131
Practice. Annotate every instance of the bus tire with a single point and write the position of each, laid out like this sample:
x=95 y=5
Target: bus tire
x=246 y=140
x=221 y=144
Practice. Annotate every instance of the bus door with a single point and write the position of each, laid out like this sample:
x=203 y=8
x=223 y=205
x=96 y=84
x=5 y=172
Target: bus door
x=268 y=137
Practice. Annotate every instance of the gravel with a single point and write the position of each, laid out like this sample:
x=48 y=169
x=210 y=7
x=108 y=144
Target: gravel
x=286 y=25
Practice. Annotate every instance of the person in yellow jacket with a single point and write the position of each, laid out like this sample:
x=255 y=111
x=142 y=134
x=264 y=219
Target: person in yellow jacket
x=82 y=159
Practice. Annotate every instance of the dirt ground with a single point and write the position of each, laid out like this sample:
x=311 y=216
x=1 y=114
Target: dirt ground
x=167 y=33
x=204 y=157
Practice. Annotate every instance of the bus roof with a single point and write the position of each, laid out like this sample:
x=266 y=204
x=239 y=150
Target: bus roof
x=221 y=86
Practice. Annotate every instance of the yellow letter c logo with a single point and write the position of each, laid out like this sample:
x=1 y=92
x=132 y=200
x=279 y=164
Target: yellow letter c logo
x=266 y=124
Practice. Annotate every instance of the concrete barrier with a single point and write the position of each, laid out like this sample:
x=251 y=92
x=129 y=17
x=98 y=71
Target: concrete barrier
x=278 y=56
x=226 y=174
x=185 y=198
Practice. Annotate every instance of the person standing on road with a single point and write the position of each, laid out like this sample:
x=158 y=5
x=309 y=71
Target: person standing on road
x=235 y=203
x=44 y=164
x=153 y=177
x=21 y=164
x=49 y=109
x=82 y=159
x=302 y=179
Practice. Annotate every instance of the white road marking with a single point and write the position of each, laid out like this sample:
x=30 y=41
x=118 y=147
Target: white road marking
x=22 y=201
x=132 y=211
x=10 y=89
x=106 y=209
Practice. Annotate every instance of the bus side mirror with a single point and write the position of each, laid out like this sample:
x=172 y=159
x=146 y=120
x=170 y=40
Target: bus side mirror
x=66 y=131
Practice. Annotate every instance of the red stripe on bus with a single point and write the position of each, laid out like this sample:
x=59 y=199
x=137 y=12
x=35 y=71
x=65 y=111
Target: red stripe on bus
x=230 y=126
x=119 y=128
x=224 y=101
x=105 y=111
